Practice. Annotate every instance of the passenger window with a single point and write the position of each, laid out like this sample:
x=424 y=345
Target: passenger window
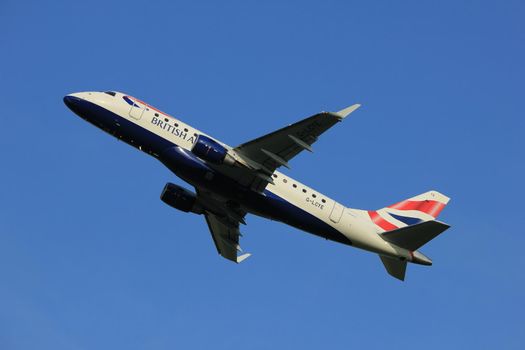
x=156 y=114
x=304 y=191
x=166 y=120
x=323 y=200
x=313 y=195
x=285 y=181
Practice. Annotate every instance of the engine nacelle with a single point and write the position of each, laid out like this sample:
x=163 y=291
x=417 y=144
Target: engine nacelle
x=180 y=198
x=211 y=151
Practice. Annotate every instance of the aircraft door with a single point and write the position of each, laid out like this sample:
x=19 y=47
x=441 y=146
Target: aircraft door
x=337 y=212
x=136 y=111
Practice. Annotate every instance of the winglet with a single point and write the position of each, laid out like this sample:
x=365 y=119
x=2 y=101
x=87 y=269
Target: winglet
x=243 y=257
x=343 y=113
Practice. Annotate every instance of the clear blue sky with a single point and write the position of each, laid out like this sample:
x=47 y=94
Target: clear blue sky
x=90 y=258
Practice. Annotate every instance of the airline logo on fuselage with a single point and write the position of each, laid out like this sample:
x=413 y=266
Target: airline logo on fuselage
x=162 y=121
x=172 y=129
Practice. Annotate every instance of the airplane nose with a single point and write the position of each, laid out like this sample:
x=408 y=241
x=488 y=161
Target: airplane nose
x=76 y=104
x=71 y=101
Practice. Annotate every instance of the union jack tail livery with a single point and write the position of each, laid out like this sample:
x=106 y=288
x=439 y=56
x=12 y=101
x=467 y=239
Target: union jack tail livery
x=421 y=208
x=410 y=224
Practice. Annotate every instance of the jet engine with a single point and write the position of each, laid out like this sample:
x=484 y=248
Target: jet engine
x=211 y=151
x=180 y=198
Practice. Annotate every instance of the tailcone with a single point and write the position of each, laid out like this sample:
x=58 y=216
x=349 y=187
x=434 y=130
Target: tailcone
x=420 y=259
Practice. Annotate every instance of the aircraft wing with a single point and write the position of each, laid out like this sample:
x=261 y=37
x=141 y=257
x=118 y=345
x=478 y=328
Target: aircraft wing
x=277 y=148
x=226 y=237
x=223 y=223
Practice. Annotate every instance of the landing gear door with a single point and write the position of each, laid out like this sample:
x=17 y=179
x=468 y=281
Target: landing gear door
x=337 y=212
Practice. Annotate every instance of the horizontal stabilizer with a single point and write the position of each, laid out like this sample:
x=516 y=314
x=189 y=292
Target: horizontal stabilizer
x=415 y=236
x=395 y=268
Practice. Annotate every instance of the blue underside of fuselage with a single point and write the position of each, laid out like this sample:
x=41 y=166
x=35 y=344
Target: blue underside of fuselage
x=195 y=171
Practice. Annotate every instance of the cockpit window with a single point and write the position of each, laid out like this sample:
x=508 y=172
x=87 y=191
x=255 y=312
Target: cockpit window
x=112 y=93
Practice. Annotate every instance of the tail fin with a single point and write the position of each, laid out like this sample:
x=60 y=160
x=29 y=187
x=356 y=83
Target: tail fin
x=415 y=210
x=410 y=224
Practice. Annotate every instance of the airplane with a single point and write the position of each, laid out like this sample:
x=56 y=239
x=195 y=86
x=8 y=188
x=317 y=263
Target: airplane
x=231 y=182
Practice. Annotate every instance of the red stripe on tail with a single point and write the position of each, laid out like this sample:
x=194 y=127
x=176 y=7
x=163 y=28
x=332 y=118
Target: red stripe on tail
x=432 y=208
x=379 y=221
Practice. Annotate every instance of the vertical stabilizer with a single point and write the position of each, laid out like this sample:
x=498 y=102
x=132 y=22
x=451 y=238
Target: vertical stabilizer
x=412 y=211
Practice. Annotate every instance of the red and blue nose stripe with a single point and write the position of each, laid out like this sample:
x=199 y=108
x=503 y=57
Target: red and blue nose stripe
x=132 y=101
